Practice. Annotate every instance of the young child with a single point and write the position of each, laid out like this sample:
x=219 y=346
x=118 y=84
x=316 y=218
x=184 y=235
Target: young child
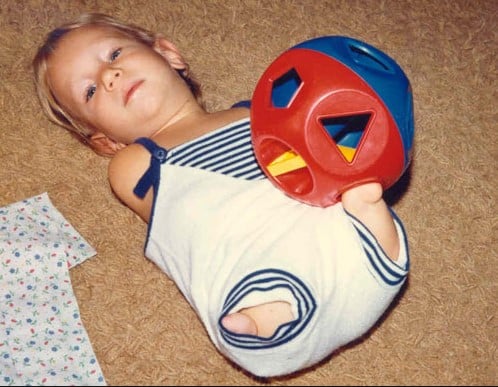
x=278 y=284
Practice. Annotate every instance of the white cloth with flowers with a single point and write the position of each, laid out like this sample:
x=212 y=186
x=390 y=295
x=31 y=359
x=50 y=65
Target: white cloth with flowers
x=42 y=338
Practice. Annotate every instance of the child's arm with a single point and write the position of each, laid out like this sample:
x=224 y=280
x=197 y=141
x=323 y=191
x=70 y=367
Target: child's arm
x=365 y=202
x=125 y=170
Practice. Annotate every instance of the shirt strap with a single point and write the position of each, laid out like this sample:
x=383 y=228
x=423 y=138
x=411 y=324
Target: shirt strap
x=151 y=177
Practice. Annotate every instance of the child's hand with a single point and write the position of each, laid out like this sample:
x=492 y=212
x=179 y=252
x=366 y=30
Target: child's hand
x=365 y=202
x=365 y=193
x=259 y=320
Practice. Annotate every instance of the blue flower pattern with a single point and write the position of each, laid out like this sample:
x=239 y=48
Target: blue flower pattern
x=42 y=338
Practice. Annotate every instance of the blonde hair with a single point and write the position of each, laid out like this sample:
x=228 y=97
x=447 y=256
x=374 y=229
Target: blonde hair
x=55 y=110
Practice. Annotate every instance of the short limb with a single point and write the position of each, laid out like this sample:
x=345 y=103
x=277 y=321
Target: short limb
x=125 y=170
x=365 y=202
x=260 y=320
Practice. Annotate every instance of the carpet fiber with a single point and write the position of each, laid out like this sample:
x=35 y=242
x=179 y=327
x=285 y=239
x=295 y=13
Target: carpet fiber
x=443 y=329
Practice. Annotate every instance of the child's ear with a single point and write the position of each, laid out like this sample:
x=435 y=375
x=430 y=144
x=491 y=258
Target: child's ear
x=169 y=51
x=103 y=145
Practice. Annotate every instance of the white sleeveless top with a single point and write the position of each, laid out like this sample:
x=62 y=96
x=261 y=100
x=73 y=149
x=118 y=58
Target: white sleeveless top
x=230 y=243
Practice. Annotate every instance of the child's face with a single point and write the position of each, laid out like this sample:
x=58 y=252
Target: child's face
x=115 y=84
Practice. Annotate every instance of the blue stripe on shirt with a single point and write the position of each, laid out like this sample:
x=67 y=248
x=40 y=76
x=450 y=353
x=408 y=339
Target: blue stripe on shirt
x=228 y=150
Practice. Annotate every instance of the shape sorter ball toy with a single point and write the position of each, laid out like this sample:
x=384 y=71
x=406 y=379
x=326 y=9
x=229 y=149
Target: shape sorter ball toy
x=331 y=113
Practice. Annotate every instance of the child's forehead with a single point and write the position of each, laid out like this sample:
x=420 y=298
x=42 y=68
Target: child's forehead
x=95 y=34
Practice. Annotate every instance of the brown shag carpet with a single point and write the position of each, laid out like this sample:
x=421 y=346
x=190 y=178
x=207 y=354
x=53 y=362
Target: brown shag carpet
x=444 y=328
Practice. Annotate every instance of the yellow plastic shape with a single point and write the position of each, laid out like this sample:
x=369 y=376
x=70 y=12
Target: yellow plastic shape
x=290 y=161
x=347 y=152
x=286 y=162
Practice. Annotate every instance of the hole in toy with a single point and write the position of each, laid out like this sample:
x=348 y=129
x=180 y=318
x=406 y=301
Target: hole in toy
x=368 y=59
x=346 y=131
x=286 y=167
x=284 y=88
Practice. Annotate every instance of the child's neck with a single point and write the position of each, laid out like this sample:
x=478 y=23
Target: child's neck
x=196 y=124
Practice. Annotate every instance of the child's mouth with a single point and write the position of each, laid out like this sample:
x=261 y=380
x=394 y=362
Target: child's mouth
x=131 y=91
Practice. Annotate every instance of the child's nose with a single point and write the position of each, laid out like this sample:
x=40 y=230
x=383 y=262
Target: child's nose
x=110 y=77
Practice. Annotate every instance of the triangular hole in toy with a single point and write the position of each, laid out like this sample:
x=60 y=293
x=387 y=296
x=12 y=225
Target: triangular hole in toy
x=346 y=131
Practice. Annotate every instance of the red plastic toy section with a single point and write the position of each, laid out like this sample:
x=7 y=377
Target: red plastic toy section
x=330 y=134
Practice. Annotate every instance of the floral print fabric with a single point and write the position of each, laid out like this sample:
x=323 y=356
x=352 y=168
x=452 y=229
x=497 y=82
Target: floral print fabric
x=42 y=338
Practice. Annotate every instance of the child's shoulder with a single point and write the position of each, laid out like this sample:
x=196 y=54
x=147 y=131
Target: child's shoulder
x=124 y=171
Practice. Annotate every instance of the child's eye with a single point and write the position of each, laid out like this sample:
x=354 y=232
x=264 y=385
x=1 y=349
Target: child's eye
x=115 y=54
x=90 y=92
